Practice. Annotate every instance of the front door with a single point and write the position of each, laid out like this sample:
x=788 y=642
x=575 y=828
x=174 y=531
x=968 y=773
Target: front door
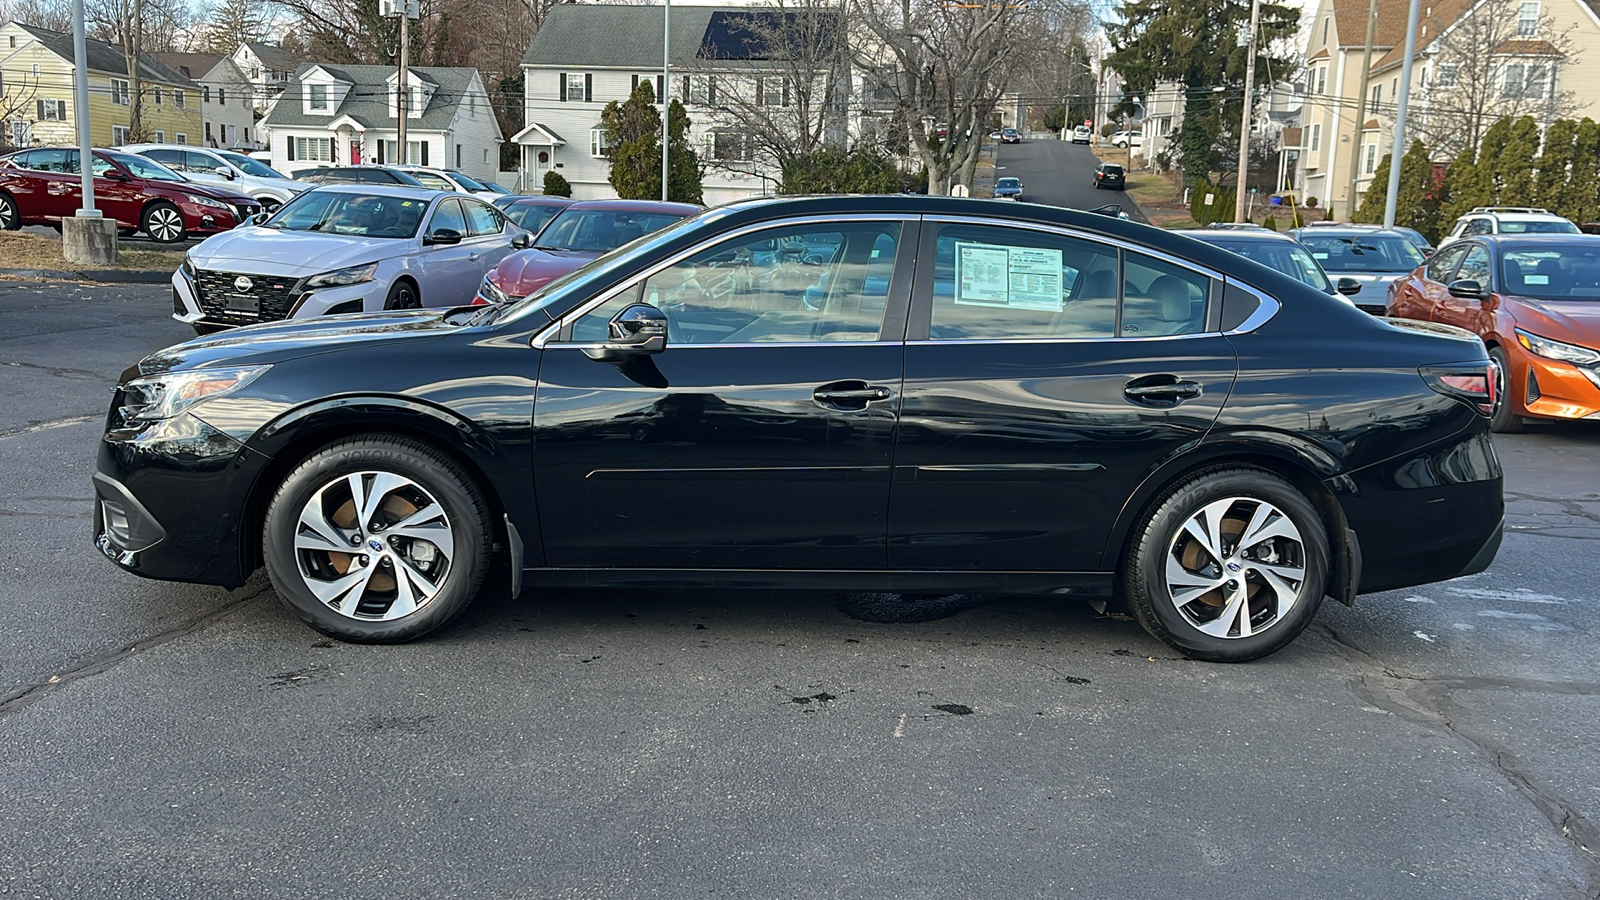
x=1046 y=376
x=1466 y=312
x=761 y=437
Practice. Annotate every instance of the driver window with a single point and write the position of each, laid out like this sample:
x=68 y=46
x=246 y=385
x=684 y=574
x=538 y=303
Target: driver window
x=1444 y=262
x=481 y=218
x=787 y=285
x=101 y=167
x=1475 y=267
x=448 y=215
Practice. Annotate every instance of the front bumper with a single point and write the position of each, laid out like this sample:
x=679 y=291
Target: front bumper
x=1551 y=389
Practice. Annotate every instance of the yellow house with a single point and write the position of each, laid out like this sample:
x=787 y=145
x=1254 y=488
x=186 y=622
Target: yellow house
x=37 y=97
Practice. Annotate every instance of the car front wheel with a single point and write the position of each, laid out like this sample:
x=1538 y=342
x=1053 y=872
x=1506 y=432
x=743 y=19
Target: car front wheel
x=1505 y=419
x=10 y=219
x=164 y=223
x=377 y=539
x=1229 y=566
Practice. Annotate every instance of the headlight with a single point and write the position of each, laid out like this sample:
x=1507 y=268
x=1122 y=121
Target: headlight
x=155 y=397
x=341 y=277
x=1549 y=349
x=198 y=200
x=492 y=293
x=187 y=267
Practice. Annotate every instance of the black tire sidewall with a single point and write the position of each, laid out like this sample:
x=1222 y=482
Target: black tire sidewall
x=391 y=300
x=1506 y=419
x=10 y=215
x=434 y=472
x=1144 y=582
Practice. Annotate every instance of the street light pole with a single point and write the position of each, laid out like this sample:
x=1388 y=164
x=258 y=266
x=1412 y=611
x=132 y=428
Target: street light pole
x=80 y=100
x=402 y=95
x=1398 y=153
x=1244 y=122
x=666 y=93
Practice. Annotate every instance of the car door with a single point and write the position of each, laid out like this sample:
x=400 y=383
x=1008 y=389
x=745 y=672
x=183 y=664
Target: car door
x=1418 y=296
x=1047 y=374
x=58 y=186
x=449 y=270
x=762 y=436
x=489 y=236
x=118 y=193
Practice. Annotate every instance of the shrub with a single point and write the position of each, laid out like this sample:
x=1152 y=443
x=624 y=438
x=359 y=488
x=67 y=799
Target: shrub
x=557 y=186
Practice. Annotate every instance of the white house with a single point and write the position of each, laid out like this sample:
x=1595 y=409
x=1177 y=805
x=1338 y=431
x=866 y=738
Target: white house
x=225 y=99
x=269 y=70
x=345 y=115
x=587 y=55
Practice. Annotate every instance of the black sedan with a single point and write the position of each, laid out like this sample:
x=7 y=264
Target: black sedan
x=783 y=393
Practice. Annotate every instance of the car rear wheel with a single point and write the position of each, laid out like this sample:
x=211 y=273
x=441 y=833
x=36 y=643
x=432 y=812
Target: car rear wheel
x=403 y=295
x=164 y=223
x=377 y=540
x=10 y=219
x=1505 y=419
x=1229 y=566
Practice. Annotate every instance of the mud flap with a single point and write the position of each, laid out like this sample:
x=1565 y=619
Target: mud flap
x=1346 y=569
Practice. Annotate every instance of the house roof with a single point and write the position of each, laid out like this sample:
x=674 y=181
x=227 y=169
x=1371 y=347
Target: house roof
x=1445 y=14
x=367 y=102
x=1527 y=48
x=104 y=57
x=608 y=36
x=194 y=66
x=275 y=58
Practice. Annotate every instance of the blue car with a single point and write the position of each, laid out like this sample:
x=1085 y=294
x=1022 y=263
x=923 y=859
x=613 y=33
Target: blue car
x=1008 y=189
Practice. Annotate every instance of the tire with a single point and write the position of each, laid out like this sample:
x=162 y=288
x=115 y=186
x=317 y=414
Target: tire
x=10 y=218
x=1505 y=419
x=403 y=295
x=163 y=222
x=395 y=590
x=1277 y=580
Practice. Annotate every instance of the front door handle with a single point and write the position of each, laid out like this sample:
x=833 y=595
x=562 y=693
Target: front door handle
x=850 y=394
x=1167 y=389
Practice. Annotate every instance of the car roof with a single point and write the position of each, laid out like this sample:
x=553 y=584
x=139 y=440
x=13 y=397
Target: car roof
x=542 y=201
x=1265 y=236
x=1527 y=241
x=1337 y=230
x=384 y=190
x=687 y=209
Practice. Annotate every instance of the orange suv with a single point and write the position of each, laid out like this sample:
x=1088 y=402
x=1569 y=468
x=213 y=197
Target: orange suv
x=1535 y=302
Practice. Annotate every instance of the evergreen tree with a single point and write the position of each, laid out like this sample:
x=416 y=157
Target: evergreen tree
x=1416 y=204
x=1470 y=181
x=1581 y=199
x=863 y=170
x=1376 y=199
x=1550 y=184
x=633 y=134
x=1514 y=164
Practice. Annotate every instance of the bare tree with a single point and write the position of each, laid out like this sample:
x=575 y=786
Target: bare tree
x=944 y=63
x=1492 y=63
x=19 y=104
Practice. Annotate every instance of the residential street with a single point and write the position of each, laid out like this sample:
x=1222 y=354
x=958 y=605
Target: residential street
x=162 y=740
x=1059 y=173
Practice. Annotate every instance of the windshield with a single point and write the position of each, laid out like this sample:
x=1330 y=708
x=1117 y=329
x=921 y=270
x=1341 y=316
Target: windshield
x=1290 y=259
x=430 y=180
x=467 y=183
x=1008 y=183
x=141 y=167
x=250 y=166
x=491 y=186
x=531 y=216
x=1362 y=253
x=600 y=230
x=339 y=212
x=1559 y=271
x=1537 y=226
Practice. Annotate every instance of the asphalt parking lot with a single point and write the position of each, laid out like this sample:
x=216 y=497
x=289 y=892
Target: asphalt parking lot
x=161 y=740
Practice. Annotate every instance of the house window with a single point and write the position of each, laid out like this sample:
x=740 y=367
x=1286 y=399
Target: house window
x=416 y=152
x=1513 y=86
x=208 y=133
x=700 y=90
x=575 y=88
x=1446 y=76
x=158 y=95
x=1528 y=19
x=119 y=91
x=1325 y=21
x=1377 y=96
x=161 y=137
x=458 y=156
x=313 y=149
x=319 y=96
x=1316 y=137
x=1322 y=79
x=119 y=135
x=222 y=96
x=729 y=146
x=205 y=94
x=177 y=98
x=180 y=138
x=1370 y=164
x=772 y=91
x=51 y=110
x=1534 y=81
x=597 y=143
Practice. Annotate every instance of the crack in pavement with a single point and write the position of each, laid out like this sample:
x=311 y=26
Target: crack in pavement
x=46 y=426
x=59 y=371
x=38 y=689
x=1427 y=701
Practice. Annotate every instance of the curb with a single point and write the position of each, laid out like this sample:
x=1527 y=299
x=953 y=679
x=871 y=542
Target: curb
x=104 y=276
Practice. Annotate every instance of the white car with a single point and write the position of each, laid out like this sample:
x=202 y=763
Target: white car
x=449 y=180
x=1082 y=134
x=1127 y=138
x=224 y=168
x=344 y=248
x=1508 y=220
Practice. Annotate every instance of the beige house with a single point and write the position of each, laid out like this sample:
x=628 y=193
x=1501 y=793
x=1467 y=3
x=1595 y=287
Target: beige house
x=1476 y=60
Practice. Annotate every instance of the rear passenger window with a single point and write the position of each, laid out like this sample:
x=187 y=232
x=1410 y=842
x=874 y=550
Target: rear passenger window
x=993 y=283
x=1159 y=298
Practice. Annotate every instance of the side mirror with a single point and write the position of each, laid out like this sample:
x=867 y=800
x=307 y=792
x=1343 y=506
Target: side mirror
x=637 y=330
x=258 y=218
x=443 y=237
x=1348 y=286
x=1466 y=289
x=521 y=241
x=116 y=175
x=224 y=171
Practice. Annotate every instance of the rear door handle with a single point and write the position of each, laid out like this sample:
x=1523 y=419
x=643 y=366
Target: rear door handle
x=850 y=394
x=1173 y=391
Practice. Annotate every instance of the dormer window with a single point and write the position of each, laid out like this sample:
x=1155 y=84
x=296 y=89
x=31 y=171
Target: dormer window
x=319 y=96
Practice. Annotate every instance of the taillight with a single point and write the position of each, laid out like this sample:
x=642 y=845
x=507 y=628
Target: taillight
x=1476 y=383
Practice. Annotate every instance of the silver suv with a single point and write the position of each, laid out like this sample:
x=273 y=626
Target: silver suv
x=1508 y=220
x=224 y=168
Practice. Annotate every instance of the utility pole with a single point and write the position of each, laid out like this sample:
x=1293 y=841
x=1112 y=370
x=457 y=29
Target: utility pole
x=1244 y=123
x=1361 y=111
x=666 y=94
x=1398 y=152
x=402 y=99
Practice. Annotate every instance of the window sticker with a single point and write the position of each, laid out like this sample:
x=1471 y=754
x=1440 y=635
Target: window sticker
x=1020 y=277
x=1536 y=279
x=1319 y=255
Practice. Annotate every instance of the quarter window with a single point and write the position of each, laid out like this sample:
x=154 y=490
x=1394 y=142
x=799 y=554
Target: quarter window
x=801 y=284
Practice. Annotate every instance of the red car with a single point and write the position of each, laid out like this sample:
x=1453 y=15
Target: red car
x=1535 y=302
x=42 y=186
x=579 y=233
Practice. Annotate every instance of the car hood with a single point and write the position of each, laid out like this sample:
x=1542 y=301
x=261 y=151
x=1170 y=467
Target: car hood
x=1371 y=282
x=525 y=271
x=272 y=342
x=1573 y=321
x=214 y=191
x=271 y=251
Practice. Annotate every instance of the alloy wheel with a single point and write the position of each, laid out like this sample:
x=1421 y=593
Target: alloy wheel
x=166 y=224
x=1236 y=567
x=374 y=546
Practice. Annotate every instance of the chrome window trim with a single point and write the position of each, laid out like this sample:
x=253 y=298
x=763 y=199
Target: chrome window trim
x=1068 y=340
x=1269 y=307
x=546 y=336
